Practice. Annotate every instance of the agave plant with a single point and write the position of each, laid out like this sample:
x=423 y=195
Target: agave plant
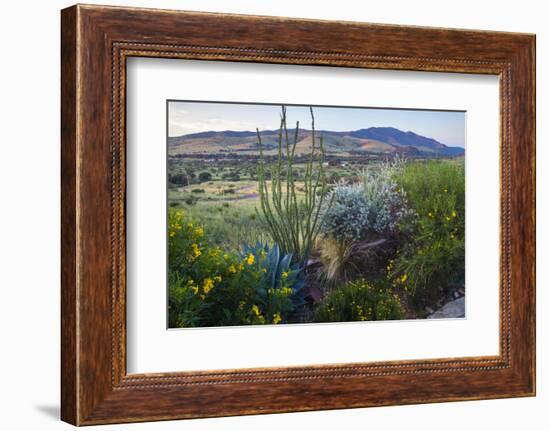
x=279 y=271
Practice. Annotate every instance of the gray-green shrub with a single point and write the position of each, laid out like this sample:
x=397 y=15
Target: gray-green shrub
x=374 y=207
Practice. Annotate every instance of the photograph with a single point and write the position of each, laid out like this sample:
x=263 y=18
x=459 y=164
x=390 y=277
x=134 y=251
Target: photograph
x=294 y=214
x=305 y=214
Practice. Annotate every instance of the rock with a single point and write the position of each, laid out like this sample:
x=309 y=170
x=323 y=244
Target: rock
x=429 y=310
x=455 y=294
x=452 y=310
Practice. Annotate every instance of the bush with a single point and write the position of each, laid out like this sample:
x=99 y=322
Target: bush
x=209 y=287
x=185 y=306
x=371 y=209
x=387 y=199
x=191 y=200
x=359 y=301
x=197 y=190
x=231 y=176
x=204 y=177
x=349 y=215
x=433 y=258
x=179 y=179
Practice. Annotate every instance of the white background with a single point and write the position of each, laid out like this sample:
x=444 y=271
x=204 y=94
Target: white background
x=29 y=225
x=151 y=348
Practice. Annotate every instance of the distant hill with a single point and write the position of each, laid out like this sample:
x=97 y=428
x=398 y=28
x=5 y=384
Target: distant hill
x=375 y=140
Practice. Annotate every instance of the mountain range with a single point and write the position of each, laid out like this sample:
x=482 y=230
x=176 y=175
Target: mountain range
x=373 y=140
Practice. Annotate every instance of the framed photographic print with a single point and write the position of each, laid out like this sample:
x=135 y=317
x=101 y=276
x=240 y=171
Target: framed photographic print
x=259 y=216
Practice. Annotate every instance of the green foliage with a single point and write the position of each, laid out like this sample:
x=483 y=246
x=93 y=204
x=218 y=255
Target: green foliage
x=179 y=179
x=231 y=176
x=229 y=226
x=205 y=176
x=209 y=287
x=191 y=200
x=359 y=301
x=293 y=223
x=185 y=306
x=433 y=256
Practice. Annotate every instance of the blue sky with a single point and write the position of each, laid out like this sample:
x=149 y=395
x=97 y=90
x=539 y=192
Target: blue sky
x=447 y=127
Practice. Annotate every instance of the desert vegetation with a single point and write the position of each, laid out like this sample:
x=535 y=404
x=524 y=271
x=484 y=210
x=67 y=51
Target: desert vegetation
x=297 y=234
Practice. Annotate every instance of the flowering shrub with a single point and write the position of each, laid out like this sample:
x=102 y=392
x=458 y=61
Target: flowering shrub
x=208 y=287
x=433 y=257
x=359 y=301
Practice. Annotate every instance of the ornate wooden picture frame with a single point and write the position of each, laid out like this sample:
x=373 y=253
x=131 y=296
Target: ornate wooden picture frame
x=96 y=41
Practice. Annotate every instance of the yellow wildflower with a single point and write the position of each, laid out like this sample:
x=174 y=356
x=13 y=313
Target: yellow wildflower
x=453 y=214
x=172 y=233
x=284 y=275
x=250 y=259
x=430 y=215
x=241 y=267
x=196 y=250
x=403 y=278
x=232 y=269
x=256 y=310
x=218 y=278
x=207 y=285
x=199 y=231
x=190 y=225
x=277 y=318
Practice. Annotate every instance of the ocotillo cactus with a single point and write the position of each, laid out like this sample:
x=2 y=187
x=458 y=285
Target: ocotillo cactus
x=293 y=222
